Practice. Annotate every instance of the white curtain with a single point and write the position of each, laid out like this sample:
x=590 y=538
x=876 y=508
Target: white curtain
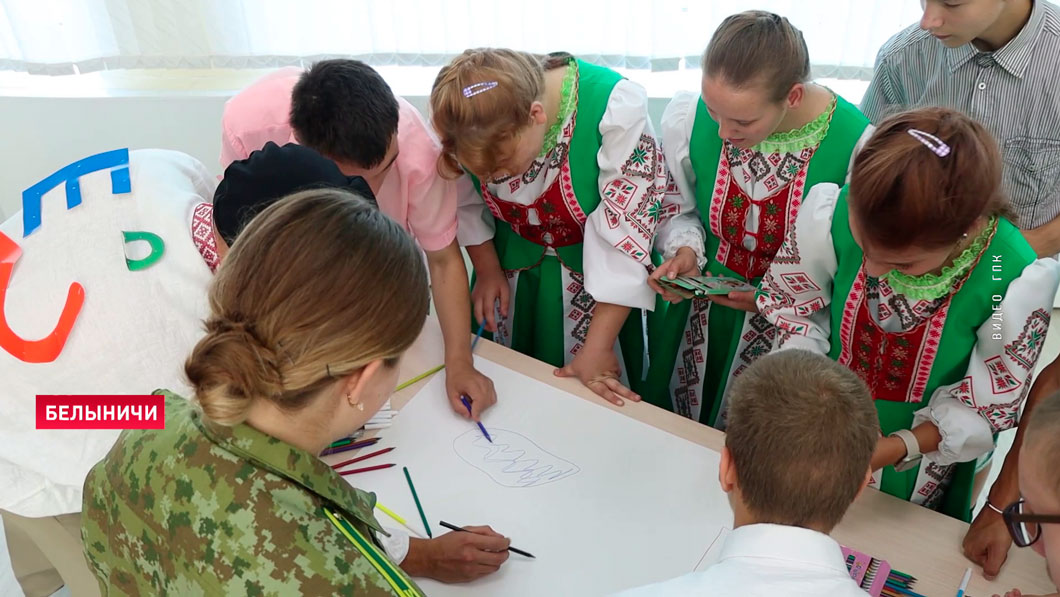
x=65 y=36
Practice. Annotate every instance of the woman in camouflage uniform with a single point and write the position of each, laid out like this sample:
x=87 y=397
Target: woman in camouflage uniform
x=301 y=348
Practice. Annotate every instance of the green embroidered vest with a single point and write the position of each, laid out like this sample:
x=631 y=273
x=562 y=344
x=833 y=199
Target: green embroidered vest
x=594 y=90
x=828 y=164
x=1003 y=260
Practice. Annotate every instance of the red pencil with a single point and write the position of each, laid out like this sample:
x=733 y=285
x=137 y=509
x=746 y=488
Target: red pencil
x=365 y=469
x=360 y=458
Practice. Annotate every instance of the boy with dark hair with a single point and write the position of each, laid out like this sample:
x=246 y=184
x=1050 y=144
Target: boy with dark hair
x=345 y=111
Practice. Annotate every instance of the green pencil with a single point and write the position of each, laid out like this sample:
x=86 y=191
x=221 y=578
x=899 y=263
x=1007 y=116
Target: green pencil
x=419 y=507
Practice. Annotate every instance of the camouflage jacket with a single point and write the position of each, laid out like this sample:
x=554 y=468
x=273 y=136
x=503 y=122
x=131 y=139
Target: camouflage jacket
x=199 y=509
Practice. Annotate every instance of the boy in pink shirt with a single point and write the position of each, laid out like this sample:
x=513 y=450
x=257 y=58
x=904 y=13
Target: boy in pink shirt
x=345 y=111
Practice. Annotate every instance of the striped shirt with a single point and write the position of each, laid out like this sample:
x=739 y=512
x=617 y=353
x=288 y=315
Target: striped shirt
x=1014 y=91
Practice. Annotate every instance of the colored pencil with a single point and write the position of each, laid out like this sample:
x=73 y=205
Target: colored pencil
x=478 y=334
x=360 y=458
x=416 y=498
x=398 y=519
x=346 y=440
x=467 y=405
x=901 y=590
x=453 y=527
x=365 y=469
x=353 y=446
x=423 y=375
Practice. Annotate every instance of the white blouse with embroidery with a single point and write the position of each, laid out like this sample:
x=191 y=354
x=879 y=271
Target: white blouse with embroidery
x=795 y=296
x=620 y=231
x=756 y=176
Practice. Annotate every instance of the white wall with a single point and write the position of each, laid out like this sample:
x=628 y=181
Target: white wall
x=41 y=135
x=49 y=122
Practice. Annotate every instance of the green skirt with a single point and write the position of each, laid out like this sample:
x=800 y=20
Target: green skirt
x=946 y=489
x=696 y=348
x=550 y=315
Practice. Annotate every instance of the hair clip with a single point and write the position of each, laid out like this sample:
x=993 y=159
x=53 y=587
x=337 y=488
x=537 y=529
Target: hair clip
x=938 y=146
x=477 y=88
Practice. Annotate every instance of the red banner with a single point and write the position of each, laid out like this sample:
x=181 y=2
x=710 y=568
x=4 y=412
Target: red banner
x=102 y=411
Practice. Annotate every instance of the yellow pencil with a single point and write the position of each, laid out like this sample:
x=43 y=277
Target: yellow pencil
x=399 y=519
x=419 y=377
x=390 y=513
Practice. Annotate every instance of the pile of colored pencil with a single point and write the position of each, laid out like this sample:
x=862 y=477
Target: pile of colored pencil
x=899 y=584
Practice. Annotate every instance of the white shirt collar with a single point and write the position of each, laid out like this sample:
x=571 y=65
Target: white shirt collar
x=786 y=543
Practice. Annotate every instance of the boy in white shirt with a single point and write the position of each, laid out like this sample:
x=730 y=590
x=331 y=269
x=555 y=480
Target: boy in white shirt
x=801 y=433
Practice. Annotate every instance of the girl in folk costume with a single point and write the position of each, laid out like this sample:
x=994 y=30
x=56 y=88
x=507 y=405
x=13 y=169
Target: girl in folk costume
x=744 y=152
x=914 y=278
x=572 y=186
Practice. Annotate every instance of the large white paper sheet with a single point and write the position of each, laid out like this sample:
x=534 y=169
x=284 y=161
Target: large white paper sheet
x=605 y=502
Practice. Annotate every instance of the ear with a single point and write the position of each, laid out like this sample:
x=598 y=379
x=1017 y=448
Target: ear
x=727 y=471
x=357 y=383
x=537 y=113
x=796 y=94
x=864 y=482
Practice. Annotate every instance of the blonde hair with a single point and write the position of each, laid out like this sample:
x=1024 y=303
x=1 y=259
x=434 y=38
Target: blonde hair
x=477 y=131
x=317 y=286
x=802 y=429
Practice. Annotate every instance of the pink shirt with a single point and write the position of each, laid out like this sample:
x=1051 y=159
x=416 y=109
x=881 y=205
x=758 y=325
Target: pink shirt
x=412 y=193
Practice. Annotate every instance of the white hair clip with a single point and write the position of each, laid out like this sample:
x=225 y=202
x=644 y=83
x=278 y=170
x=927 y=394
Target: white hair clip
x=931 y=142
x=477 y=88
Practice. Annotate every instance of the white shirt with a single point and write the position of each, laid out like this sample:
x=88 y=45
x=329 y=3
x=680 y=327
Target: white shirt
x=767 y=560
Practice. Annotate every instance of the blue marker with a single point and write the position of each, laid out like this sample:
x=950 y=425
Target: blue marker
x=964 y=583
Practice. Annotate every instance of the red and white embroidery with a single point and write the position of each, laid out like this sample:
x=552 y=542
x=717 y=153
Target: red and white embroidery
x=644 y=159
x=792 y=327
x=580 y=312
x=928 y=351
x=895 y=366
x=809 y=307
x=730 y=206
x=631 y=247
x=965 y=392
x=1001 y=379
x=687 y=382
x=1001 y=416
x=774 y=297
x=554 y=219
x=1025 y=349
x=619 y=192
x=202 y=234
x=884 y=312
x=613 y=218
x=799 y=283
